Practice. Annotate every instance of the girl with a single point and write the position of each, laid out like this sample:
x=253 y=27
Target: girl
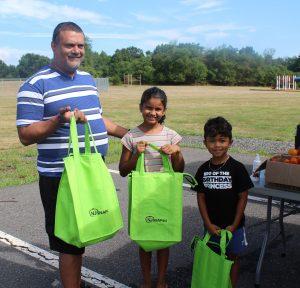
x=153 y=107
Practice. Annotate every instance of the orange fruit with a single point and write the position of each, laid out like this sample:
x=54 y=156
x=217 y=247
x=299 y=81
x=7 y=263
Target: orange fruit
x=286 y=161
x=293 y=152
x=294 y=160
x=298 y=152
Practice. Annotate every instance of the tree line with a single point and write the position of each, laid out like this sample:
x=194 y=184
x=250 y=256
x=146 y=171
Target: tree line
x=174 y=64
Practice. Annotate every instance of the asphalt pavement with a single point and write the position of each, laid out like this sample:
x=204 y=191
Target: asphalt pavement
x=21 y=215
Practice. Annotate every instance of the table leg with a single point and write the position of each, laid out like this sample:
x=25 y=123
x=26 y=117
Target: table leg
x=265 y=242
x=282 y=227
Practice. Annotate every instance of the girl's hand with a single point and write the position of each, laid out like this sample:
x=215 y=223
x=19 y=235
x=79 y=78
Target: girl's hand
x=141 y=147
x=170 y=149
x=214 y=229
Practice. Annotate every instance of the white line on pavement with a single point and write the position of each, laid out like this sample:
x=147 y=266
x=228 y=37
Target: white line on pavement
x=87 y=275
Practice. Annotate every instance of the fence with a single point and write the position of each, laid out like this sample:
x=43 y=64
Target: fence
x=102 y=84
x=11 y=82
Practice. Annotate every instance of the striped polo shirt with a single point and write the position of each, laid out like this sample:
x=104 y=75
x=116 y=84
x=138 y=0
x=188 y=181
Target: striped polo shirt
x=153 y=160
x=41 y=97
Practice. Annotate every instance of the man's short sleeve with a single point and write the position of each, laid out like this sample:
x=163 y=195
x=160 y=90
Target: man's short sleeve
x=30 y=105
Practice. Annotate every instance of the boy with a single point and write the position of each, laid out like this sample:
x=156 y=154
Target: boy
x=223 y=190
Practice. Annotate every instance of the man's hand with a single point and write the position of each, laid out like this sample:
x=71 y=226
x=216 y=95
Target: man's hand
x=141 y=147
x=65 y=115
x=213 y=229
x=170 y=149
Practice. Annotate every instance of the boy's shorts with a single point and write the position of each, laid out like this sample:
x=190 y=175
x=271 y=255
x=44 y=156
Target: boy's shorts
x=237 y=244
x=48 y=191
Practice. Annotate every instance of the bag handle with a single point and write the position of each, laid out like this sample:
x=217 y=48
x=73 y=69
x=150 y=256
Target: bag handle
x=165 y=160
x=206 y=238
x=225 y=237
x=73 y=138
x=87 y=135
x=190 y=179
x=87 y=143
x=166 y=164
x=194 y=242
x=139 y=167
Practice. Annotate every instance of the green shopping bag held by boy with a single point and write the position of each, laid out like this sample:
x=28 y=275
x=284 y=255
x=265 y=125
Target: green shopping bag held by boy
x=87 y=208
x=210 y=269
x=155 y=205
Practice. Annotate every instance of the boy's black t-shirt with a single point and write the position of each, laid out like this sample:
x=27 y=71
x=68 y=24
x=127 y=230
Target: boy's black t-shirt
x=221 y=185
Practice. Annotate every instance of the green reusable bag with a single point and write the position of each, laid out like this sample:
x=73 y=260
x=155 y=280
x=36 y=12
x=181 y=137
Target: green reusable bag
x=87 y=207
x=211 y=270
x=155 y=205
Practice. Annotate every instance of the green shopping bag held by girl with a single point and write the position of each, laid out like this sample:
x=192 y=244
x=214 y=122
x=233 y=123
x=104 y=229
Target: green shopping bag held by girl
x=210 y=269
x=155 y=205
x=87 y=208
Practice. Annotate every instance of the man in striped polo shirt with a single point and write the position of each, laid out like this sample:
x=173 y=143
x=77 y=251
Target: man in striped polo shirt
x=45 y=104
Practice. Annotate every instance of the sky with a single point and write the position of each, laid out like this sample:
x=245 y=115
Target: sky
x=26 y=26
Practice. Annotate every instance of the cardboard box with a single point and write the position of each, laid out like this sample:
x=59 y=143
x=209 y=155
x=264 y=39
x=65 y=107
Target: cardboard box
x=285 y=175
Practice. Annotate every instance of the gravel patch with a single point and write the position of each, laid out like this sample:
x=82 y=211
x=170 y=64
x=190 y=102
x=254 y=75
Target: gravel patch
x=251 y=145
x=245 y=144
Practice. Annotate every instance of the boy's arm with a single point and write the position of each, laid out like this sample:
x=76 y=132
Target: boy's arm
x=242 y=202
x=212 y=229
x=176 y=156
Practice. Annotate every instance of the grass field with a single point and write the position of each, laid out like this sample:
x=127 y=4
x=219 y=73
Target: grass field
x=254 y=113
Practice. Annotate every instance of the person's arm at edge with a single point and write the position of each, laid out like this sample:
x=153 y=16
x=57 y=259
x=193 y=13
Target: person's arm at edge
x=114 y=129
x=241 y=206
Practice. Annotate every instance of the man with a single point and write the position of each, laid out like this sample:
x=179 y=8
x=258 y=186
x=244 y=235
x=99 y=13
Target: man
x=45 y=104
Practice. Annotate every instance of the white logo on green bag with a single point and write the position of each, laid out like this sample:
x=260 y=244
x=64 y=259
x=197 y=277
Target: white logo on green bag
x=95 y=212
x=151 y=219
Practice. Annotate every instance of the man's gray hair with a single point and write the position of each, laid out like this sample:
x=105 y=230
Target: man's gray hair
x=65 y=26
